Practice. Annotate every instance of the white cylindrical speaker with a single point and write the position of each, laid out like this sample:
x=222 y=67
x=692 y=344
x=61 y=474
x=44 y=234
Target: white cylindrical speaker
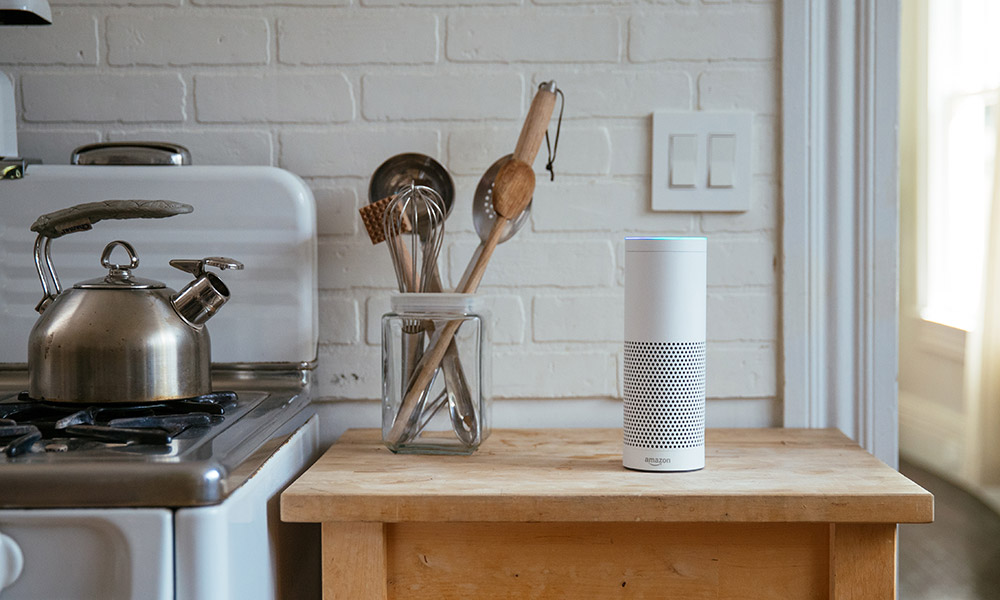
x=665 y=293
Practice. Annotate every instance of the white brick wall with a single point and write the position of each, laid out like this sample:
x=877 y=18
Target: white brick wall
x=78 y=43
x=737 y=33
x=439 y=96
x=78 y=97
x=277 y=98
x=533 y=36
x=330 y=88
x=211 y=40
x=305 y=40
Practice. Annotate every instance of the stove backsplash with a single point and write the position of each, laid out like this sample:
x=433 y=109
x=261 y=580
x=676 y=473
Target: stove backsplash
x=261 y=216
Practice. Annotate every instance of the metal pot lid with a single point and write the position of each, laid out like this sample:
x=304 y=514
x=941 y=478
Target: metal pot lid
x=119 y=276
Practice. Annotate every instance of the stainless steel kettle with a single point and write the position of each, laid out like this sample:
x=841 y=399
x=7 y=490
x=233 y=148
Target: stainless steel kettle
x=121 y=338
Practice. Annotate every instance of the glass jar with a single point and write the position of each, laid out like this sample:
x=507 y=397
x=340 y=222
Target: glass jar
x=451 y=414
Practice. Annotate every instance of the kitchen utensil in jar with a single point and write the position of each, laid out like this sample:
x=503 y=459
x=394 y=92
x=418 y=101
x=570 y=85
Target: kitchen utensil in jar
x=512 y=191
x=413 y=226
x=397 y=174
x=390 y=177
x=401 y=170
x=514 y=182
x=121 y=338
x=484 y=216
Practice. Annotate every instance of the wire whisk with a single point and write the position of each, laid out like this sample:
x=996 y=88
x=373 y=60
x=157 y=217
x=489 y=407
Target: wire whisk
x=413 y=223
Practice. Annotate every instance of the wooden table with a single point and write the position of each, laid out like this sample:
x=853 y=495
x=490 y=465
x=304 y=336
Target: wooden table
x=776 y=513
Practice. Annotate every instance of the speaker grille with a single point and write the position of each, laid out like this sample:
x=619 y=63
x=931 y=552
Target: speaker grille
x=664 y=394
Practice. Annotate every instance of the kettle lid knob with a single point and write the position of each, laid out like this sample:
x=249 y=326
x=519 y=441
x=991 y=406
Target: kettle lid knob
x=119 y=275
x=133 y=258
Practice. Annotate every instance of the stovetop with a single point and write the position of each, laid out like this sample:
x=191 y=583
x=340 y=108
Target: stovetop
x=204 y=461
x=30 y=426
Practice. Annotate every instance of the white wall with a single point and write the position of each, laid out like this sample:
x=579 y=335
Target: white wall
x=329 y=89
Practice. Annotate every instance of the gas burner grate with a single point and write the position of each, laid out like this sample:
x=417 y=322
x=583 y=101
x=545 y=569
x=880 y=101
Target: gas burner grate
x=28 y=425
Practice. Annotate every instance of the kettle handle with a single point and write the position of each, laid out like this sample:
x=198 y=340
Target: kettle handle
x=83 y=216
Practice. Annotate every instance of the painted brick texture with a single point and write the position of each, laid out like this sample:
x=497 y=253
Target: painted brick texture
x=208 y=41
x=529 y=36
x=306 y=40
x=329 y=89
x=72 y=39
x=279 y=98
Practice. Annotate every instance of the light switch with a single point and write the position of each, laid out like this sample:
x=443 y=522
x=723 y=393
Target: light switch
x=701 y=161
x=683 y=160
x=721 y=161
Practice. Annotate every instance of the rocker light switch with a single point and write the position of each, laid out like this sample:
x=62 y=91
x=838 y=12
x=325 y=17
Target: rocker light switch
x=683 y=160
x=701 y=161
x=721 y=161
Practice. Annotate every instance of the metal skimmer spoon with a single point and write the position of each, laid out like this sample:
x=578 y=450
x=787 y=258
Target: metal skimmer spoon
x=483 y=214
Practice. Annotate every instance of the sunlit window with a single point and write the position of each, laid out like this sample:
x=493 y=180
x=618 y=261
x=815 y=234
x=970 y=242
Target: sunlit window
x=963 y=84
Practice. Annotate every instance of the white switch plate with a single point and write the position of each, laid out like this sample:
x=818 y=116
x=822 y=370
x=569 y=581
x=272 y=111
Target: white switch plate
x=700 y=197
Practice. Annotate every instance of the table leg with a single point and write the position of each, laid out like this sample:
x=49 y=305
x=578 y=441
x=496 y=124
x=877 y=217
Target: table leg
x=862 y=561
x=354 y=561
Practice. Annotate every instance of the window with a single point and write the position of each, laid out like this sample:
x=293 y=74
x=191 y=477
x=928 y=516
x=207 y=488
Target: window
x=963 y=85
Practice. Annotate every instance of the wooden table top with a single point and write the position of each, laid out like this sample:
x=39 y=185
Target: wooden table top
x=751 y=475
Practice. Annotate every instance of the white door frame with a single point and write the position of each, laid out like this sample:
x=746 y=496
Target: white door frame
x=840 y=232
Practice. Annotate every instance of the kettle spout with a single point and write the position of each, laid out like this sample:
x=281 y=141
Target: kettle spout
x=201 y=299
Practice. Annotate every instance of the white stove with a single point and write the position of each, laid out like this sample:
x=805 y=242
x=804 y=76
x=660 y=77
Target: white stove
x=176 y=501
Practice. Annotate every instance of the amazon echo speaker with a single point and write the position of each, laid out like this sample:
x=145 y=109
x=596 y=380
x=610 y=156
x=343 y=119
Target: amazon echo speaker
x=664 y=403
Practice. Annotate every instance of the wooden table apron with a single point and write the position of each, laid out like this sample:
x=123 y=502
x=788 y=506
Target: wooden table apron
x=776 y=513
